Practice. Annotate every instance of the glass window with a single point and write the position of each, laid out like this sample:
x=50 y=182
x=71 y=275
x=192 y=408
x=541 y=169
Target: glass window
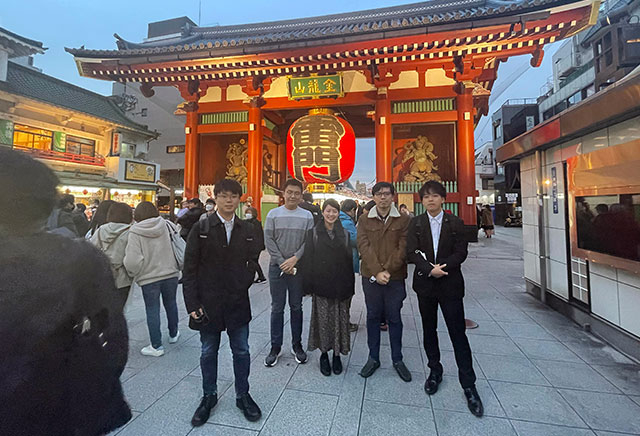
x=127 y=150
x=76 y=145
x=30 y=137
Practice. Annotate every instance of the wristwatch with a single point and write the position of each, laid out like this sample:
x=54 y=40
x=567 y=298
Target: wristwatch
x=372 y=279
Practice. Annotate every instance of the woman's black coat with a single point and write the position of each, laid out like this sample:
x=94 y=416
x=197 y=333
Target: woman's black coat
x=55 y=381
x=327 y=264
x=217 y=275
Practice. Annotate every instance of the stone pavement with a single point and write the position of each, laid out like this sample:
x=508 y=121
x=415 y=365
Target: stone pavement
x=538 y=373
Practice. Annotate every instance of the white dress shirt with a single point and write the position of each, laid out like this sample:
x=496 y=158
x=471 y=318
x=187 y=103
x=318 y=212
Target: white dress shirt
x=228 y=226
x=436 y=226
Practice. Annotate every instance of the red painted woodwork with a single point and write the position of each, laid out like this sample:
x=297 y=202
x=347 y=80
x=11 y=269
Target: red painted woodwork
x=384 y=160
x=254 y=156
x=465 y=159
x=191 y=153
x=346 y=149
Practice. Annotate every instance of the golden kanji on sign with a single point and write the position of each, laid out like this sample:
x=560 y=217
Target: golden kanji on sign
x=315 y=86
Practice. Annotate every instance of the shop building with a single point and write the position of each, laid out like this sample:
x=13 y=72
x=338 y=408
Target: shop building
x=581 y=211
x=95 y=150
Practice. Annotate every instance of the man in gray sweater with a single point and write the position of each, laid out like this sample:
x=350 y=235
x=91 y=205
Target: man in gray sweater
x=285 y=230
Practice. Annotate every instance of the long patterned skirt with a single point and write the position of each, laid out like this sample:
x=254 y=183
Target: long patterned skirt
x=329 y=329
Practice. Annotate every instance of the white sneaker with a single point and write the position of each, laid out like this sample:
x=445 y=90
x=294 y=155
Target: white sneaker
x=174 y=339
x=150 y=351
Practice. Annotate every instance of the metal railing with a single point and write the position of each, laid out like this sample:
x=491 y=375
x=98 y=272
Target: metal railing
x=62 y=156
x=413 y=187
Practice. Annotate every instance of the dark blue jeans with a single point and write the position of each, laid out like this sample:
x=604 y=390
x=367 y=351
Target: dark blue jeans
x=239 y=342
x=279 y=285
x=384 y=301
x=151 y=294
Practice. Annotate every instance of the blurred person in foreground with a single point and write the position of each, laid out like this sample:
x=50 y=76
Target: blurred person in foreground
x=64 y=338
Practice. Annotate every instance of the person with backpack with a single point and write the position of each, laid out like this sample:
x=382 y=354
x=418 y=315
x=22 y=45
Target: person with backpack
x=64 y=337
x=111 y=238
x=150 y=259
x=327 y=271
x=191 y=217
x=218 y=271
x=99 y=217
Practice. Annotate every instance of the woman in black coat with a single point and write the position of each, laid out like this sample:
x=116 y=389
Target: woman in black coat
x=64 y=337
x=251 y=215
x=327 y=266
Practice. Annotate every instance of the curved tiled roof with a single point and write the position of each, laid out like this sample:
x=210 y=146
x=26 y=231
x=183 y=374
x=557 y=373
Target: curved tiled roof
x=411 y=16
x=38 y=86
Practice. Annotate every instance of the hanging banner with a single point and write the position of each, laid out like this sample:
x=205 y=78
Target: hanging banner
x=116 y=143
x=315 y=86
x=321 y=148
x=6 y=132
x=59 y=142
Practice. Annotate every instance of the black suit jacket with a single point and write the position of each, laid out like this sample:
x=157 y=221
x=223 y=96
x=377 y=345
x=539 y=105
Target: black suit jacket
x=452 y=251
x=217 y=275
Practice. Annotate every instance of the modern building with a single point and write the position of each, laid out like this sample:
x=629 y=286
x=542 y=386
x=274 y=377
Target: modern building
x=95 y=150
x=514 y=117
x=485 y=174
x=581 y=211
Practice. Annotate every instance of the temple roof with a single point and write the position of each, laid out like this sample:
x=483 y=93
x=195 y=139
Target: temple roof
x=33 y=84
x=416 y=18
x=19 y=45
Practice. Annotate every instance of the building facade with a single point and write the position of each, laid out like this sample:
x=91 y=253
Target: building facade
x=95 y=150
x=581 y=211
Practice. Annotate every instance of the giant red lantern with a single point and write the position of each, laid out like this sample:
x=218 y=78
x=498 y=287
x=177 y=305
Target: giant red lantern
x=321 y=148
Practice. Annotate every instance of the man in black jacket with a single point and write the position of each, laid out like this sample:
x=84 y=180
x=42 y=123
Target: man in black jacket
x=436 y=246
x=218 y=271
x=192 y=216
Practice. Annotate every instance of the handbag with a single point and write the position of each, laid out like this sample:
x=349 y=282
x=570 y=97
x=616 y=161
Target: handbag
x=177 y=244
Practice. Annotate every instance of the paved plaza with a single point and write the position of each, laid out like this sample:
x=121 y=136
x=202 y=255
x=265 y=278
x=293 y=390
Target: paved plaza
x=538 y=373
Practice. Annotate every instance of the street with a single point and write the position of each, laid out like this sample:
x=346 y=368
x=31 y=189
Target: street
x=538 y=373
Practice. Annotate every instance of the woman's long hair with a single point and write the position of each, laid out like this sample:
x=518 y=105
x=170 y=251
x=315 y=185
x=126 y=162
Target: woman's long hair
x=100 y=217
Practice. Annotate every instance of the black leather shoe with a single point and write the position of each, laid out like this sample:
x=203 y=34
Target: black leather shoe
x=337 y=364
x=249 y=407
x=325 y=366
x=402 y=371
x=369 y=368
x=432 y=383
x=473 y=401
x=204 y=410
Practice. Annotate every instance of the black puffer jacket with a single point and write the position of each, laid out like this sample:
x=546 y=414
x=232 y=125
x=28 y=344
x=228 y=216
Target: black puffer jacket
x=55 y=381
x=187 y=221
x=327 y=264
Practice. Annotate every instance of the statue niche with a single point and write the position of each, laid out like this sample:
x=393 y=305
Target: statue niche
x=416 y=159
x=237 y=154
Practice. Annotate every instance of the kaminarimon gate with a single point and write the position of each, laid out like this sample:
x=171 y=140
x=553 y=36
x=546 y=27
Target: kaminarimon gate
x=416 y=77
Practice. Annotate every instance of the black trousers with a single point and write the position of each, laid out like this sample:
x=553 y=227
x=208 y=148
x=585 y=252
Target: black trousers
x=453 y=312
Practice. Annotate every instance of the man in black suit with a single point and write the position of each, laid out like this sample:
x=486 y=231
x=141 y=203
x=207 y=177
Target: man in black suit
x=436 y=246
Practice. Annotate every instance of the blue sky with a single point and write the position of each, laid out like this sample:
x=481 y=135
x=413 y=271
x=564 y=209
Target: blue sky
x=73 y=23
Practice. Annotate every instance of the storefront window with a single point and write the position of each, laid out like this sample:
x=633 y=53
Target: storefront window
x=83 y=146
x=127 y=150
x=30 y=137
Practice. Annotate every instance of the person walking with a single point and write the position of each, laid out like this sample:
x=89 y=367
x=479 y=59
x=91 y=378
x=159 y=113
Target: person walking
x=487 y=221
x=285 y=231
x=436 y=246
x=251 y=216
x=80 y=219
x=111 y=238
x=150 y=260
x=64 y=338
x=60 y=220
x=382 y=238
x=191 y=217
x=347 y=219
x=99 y=218
x=327 y=269
x=218 y=271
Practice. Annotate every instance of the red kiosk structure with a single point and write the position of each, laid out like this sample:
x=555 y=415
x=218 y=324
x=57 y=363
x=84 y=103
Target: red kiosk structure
x=416 y=77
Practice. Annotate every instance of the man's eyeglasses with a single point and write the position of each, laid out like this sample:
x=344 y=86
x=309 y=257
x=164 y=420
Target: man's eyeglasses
x=383 y=194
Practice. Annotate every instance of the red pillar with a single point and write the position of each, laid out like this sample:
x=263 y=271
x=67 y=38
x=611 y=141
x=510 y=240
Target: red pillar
x=282 y=165
x=465 y=157
x=383 y=137
x=191 y=156
x=254 y=156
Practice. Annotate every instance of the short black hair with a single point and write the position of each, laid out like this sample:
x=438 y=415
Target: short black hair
x=228 y=185
x=433 y=187
x=378 y=186
x=66 y=199
x=369 y=205
x=210 y=201
x=348 y=205
x=402 y=205
x=22 y=177
x=292 y=182
x=144 y=210
x=307 y=196
x=81 y=207
x=120 y=213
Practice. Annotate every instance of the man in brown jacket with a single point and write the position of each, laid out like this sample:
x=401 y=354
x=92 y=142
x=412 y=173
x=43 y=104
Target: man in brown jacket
x=382 y=241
